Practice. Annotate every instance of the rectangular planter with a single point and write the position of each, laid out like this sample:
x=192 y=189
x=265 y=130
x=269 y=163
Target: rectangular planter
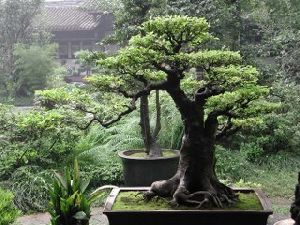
x=187 y=217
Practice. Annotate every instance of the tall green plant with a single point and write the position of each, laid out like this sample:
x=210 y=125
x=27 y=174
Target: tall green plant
x=69 y=203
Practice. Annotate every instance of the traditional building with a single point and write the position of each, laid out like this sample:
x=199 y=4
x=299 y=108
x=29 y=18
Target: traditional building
x=75 y=28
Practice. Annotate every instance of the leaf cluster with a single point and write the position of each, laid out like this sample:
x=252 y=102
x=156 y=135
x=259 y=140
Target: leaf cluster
x=69 y=203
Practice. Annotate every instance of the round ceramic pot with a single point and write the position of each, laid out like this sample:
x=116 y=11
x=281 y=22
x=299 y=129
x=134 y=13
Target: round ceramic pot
x=140 y=171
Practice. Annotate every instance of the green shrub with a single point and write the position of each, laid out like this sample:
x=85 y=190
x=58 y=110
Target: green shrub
x=230 y=164
x=251 y=152
x=30 y=187
x=8 y=211
x=34 y=65
x=110 y=172
x=280 y=130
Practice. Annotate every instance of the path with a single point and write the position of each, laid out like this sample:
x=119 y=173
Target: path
x=281 y=207
x=44 y=218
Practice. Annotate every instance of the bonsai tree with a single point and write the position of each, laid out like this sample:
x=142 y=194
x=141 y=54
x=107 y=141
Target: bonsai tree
x=152 y=148
x=295 y=207
x=129 y=15
x=225 y=98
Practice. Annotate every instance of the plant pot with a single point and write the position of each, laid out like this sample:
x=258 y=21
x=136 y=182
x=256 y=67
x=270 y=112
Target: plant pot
x=188 y=217
x=143 y=171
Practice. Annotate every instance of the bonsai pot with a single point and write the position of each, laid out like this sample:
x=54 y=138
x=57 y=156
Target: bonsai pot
x=188 y=217
x=142 y=171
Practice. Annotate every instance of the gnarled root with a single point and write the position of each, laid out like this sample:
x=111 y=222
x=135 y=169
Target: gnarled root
x=218 y=196
x=163 y=188
x=202 y=199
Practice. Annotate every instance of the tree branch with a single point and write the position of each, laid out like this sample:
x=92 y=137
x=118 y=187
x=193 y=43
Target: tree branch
x=158 y=116
x=228 y=129
x=108 y=123
x=104 y=123
x=146 y=91
x=211 y=123
x=227 y=132
x=204 y=93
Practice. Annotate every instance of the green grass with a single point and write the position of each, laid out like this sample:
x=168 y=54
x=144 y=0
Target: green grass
x=274 y=174
x=133 y=200
x=166 y=153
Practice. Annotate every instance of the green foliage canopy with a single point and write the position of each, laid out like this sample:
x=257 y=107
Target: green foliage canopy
x=163 y=57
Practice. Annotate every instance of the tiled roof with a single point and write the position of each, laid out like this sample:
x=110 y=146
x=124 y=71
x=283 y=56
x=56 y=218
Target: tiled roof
x=64 y=3
x=70 y=19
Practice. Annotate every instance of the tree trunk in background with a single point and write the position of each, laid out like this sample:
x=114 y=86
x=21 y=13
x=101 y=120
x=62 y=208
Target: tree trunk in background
x=158 y=119
x=150 y=143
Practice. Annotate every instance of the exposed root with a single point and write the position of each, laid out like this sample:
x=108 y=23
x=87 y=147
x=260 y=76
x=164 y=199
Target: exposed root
x=200 y=199
x=224 y=198
x=163 y=188
x=217 y=197
x=149 y=195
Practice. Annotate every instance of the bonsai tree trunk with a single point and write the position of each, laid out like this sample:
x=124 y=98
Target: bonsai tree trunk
x=150 y=140
x=195 y=182
x=295 y=207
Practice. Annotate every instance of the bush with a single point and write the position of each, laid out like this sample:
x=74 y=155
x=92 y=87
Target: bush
x=231 y=165
x=251 y=152
x=110 y=172
x=280 y=130
x=29 y=185
x=8 y=212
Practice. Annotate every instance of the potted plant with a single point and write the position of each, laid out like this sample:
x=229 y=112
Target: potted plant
x=225 y=99
x=138 y=162
x=140 y=166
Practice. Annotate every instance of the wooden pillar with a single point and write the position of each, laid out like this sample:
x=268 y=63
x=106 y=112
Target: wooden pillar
x=69 y=50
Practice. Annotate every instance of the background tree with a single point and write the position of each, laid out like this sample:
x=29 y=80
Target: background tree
x=16 y=24
x=33 y=67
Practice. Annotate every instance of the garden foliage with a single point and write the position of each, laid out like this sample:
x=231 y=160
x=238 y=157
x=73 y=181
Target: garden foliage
x=8 y=211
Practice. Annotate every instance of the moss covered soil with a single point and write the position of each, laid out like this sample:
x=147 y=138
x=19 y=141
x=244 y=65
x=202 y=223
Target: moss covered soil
x=166 y=153
x=133 y=200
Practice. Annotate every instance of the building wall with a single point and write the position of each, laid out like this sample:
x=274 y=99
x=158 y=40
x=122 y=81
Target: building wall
x=72 y=41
